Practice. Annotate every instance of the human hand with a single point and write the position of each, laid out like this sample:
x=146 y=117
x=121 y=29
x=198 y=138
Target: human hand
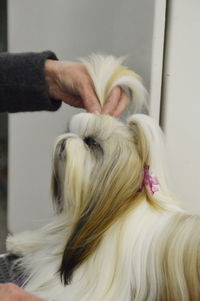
x=70 y=82
x=12 y=292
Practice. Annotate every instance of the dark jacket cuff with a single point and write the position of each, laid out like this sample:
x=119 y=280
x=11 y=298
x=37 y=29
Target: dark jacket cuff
x=22 y=82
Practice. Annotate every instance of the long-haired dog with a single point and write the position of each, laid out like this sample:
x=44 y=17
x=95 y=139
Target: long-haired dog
x=118 y=234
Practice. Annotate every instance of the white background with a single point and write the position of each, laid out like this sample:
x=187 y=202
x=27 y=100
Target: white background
x=181 y=99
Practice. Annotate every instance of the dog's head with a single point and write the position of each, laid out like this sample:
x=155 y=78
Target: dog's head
x=97 y=175
x=98 y=159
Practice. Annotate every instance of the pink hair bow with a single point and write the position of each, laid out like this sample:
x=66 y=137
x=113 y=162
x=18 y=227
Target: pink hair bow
x=149 y=180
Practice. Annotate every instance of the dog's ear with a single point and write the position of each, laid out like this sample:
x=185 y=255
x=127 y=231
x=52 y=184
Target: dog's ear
x=56 y=190
x=149 y=141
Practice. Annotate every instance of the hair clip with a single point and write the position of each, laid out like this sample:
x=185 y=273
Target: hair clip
x=149 y=180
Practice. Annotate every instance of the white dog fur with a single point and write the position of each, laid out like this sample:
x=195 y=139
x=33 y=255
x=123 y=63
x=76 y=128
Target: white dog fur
x=112 y=239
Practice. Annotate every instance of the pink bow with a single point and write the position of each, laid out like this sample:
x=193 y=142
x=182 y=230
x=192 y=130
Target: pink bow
x=149 y=180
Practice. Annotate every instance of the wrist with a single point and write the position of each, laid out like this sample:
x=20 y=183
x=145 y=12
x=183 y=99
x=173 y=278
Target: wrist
x=51 y=72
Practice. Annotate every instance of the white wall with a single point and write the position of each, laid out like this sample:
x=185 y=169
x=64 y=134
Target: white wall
x=181 y=102
x=72 y=29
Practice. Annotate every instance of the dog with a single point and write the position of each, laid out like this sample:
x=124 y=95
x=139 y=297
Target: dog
x=118 y=233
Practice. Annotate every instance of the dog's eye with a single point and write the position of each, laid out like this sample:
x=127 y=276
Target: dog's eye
x=91 y=142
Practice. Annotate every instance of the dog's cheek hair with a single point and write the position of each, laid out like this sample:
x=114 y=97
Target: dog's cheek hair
x=72 y=259
x=55 y=191
x=74 y=256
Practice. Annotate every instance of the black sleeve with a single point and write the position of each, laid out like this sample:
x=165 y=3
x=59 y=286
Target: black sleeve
x=22 y=82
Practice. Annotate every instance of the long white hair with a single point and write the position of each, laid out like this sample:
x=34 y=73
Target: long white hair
x=114 y=237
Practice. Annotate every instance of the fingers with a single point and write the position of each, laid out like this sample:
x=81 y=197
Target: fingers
x=73 y=100
x=112 y=101
x=89 y=98
x=73 y=85
x=12 y=292
x=122 y=105
x=116 y=103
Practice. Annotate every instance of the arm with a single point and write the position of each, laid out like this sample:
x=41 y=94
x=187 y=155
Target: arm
x=38 y=81
x=22 y=82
